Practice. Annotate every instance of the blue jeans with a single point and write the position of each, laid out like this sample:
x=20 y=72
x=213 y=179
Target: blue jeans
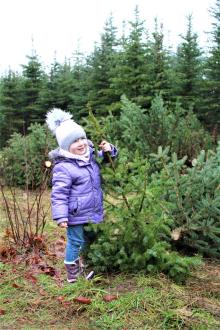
x=75 y=243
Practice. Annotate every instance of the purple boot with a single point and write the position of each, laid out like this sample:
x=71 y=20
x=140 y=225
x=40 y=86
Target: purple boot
x=82 y=267
x=73 y=271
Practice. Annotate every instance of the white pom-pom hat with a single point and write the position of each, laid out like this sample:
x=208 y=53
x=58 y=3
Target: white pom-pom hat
x=66 y=130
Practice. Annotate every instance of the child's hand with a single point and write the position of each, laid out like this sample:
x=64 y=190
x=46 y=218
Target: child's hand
x=105 y=146
x=63 y=225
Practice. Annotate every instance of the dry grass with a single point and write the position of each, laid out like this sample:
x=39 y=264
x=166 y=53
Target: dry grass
x=35 y=294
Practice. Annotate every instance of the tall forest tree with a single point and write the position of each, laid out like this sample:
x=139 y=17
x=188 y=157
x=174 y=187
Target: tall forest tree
x=159 y=65
x=59 y=87
x=11 y=119
x=33 y=77
x=100 y=66
x=211 y=107
x=131 y=72
x=188 y=71
x=79 y=94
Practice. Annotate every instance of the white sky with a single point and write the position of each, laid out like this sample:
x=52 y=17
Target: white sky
x=63 y=26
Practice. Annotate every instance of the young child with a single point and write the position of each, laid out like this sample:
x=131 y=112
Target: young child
x=76 y=197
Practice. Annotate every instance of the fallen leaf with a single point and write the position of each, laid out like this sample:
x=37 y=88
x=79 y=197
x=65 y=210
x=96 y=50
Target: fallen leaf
x=42 y=292
x=38 y=239
x=63 y=302
x=83 y=300
x=60 y=242
x=66 y=303
x=48 y=270
x=15 y=285
x=31 y=278
x=2 y=312
x=60 y=298
x=110 y=297
x=7 y=252
x=36 y=302
x=33 y=260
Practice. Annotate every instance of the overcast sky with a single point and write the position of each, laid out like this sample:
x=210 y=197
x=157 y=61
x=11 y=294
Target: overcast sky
x=63 y=26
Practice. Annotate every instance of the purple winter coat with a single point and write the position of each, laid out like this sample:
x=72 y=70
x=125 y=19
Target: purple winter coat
x=77 y=197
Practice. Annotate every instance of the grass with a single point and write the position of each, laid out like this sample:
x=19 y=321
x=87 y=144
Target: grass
x=32 y=299
x=35 y=295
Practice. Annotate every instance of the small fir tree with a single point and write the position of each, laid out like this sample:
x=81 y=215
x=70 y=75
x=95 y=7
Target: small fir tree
x=136 y=233
x=194 y=199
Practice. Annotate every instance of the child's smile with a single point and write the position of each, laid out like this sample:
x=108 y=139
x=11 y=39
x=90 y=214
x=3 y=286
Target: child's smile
x=79 y=147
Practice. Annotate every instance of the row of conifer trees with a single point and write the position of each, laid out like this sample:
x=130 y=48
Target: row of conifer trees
x=137 y=65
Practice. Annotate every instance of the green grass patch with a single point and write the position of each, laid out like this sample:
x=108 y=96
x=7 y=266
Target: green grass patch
x=31 y=300
x=33 y=296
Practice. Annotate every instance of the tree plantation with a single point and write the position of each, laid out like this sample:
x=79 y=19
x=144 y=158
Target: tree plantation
x=136 y=65
x=156 y=255
x=162 y=111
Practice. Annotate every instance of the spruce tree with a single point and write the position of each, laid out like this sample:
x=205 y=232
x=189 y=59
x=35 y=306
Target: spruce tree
x=159 y=79
x=10 y=106
x=188 y=69
x=163 y=126
x=64 y=87
x=194 y=199
x=131 y=72
x=61 y=84
x=50 y=93
x=100 y=68
x=79 y=94
x=210 y=111
x=33 y=77
x=136 y=232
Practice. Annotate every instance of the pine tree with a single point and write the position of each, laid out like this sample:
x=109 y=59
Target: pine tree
x=162 y=126
x=195 y=199
x=188 y=70
x=136 y=233
x=10 y=106
x=32 y=84
x=158 y=78
x=60 y=85
x=65 y=87
x=100 y=66
x=131 y=72
x=79 y=94
x=210 y=111
x=133 y=127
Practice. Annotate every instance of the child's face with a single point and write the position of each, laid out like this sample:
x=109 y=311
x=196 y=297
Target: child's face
x=78 y=147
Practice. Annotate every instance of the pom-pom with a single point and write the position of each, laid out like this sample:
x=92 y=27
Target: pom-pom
x=55 y=117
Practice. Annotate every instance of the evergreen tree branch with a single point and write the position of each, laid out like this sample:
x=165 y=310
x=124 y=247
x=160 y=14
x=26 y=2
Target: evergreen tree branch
x=101 y=135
